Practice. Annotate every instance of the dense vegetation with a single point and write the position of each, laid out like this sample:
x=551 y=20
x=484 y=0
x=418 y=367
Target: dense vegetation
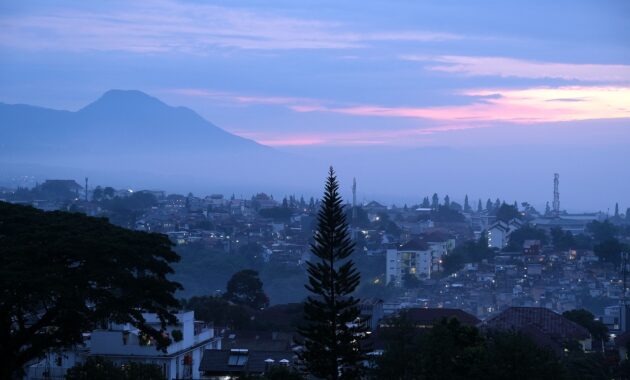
x=62 y=273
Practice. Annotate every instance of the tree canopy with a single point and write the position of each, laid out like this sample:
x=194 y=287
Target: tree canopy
x=62 y=273
x=246 y=288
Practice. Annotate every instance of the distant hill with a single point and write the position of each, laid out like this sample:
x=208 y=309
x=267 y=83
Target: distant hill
x=131 y=138
x=119 y=122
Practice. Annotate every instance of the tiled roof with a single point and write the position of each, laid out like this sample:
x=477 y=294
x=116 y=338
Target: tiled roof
x=216 y=361
x=545 y=320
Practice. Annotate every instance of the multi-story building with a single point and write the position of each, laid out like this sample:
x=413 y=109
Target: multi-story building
x=123 y=343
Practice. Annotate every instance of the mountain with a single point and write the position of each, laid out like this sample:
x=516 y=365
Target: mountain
x=130 y=137
x=119 y=122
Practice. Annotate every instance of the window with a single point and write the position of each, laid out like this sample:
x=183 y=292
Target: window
x=238 y=357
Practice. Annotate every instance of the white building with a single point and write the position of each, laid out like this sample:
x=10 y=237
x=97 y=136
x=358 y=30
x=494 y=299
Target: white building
x=123 y=343
x=416 y=257
x=499 y=232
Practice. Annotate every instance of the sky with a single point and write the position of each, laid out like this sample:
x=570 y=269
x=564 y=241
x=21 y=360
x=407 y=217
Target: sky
x=306 y=76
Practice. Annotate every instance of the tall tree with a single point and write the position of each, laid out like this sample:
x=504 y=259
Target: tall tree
x=332 y=333
x=466 y=204
x=435 y=201
x=479 y=207
x=61 y=274
x=447 y=201
x=426 y=203
x=489 y=205
x=245 y=288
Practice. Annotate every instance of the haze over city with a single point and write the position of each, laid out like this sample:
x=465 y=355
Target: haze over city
x=486 y=98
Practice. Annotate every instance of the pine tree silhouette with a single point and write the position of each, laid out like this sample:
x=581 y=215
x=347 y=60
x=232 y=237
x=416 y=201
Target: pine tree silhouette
x=333 y=333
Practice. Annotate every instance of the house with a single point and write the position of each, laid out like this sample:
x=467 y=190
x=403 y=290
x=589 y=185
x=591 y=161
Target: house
x=543 y=326
x=412 y=258
x=123 y=343
x=499 y=232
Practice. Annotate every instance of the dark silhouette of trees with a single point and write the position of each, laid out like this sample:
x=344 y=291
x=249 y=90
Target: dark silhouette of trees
x=332 y=335
x=450 y=350
x=62 y=274
x=586 y=319
x=245 y=288
x=507 y=212
x=218 y=311
x=96 y=368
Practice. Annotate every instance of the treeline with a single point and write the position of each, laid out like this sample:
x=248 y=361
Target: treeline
x=450 y=350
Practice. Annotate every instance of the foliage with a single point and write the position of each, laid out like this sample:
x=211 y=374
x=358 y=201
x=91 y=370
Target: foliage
x=447 y=214
x=276 y=213
x=332 y=338
x=610 y=251
x=177 y=335
x=512 y=355
x=62 y=273
x=452 y=351
x=471 y=251
x=586 y=319
x=218 y=311
x=527 y=232
x=602 y=231
x=96 y=368
x=281 y=373
x=245 y=288
x=410 y=281
x=507 y=212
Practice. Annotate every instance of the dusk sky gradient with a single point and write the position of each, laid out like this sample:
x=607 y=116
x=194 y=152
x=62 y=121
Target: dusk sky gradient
x=300 y=75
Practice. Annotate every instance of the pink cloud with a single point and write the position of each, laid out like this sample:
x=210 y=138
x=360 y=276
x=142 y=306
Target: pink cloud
x=534 y=105
x=510 y=67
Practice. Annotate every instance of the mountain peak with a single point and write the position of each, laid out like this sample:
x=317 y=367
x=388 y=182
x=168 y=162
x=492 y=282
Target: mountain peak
x=122 y=100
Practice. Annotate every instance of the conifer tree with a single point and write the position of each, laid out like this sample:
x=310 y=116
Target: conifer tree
x=479 y=208
x=333 y=332
x=466 y=204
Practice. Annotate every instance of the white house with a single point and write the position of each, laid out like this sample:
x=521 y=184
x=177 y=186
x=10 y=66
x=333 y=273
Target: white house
x=123 y=343
x=499 y=232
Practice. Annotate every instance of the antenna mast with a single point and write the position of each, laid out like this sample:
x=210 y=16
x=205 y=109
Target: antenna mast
x=556 y=194
x=354 y=201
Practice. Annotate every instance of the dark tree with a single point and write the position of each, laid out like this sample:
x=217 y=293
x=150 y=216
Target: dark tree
x=219 y=311
x=332 y=334
x=527 y=232
x=96 y=368
x=61 y=274
x=466 y=204
x=610 y=251
x=435 y=201
x=245 y=288
x=586 y=319
x=479 y=207
x=426 y=203
x=489 y=205
x=507 y=212
x=547 y=209
x=602 y=231
x=447 y=201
